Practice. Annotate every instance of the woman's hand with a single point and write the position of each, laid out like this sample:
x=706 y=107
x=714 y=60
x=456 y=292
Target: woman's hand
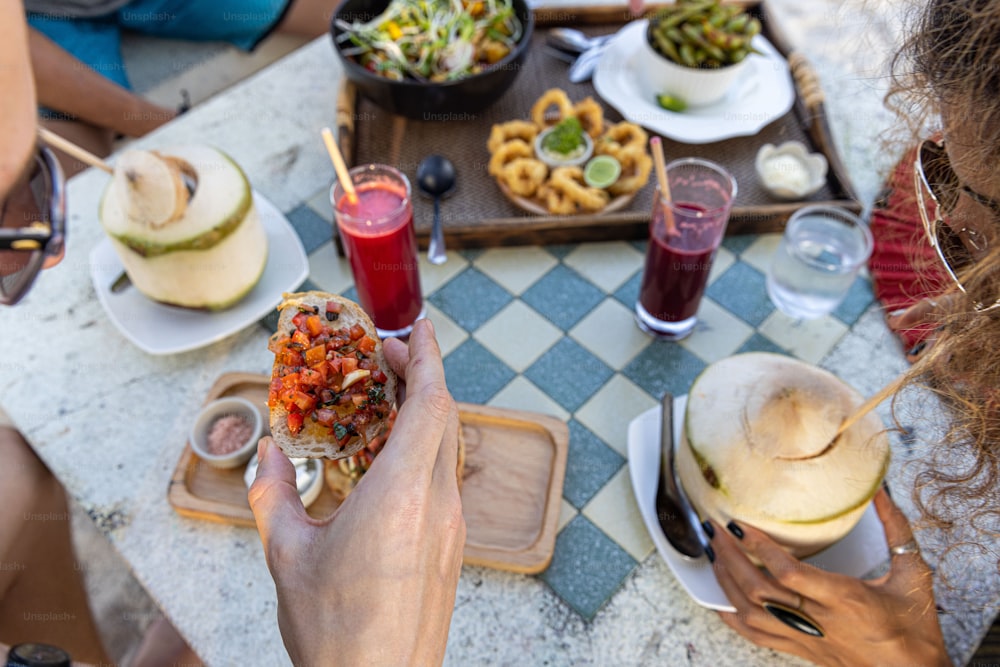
x=374 y=584
x=891 y=620
x=925 y=315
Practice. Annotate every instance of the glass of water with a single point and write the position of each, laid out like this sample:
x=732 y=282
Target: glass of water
x=819 y=257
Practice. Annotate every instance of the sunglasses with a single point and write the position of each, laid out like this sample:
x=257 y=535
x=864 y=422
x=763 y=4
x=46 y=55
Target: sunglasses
x=938 y=189
x=32 y=225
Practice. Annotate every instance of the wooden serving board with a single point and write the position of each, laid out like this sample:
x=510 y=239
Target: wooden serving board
x=515 y=463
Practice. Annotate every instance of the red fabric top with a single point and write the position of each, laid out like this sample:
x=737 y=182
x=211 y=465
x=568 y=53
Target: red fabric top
x=903 y=265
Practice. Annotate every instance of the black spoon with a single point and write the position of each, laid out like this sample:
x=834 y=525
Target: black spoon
x=436 y=178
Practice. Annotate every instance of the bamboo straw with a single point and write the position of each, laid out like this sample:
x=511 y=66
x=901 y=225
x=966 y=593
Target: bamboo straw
x=343 y=175
x=71 y=149
x=660 y=167
x=871 y=404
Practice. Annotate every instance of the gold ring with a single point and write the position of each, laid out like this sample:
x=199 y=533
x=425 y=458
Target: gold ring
x=910 y=547
x=793 y=618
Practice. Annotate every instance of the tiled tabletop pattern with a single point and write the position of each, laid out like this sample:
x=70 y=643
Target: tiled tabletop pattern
x=550 y=329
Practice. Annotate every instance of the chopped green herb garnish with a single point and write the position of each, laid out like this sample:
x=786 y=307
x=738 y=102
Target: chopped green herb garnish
x=565 y=137
x=339 y=431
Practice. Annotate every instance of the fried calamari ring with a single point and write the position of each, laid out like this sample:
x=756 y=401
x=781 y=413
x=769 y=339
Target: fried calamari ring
x=556 y=201
x=513 y=129
x=552 y=96
x=507 y=152
x=569 y=181
x=591 y=116
x=524 y=175
x=623 y=135
x=636 y=166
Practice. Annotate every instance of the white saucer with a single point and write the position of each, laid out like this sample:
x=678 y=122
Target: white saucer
x=763 y=94
x=160 y=329
x=861 y=551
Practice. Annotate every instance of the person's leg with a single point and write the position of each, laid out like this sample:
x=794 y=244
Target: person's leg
x=82 y=86
x=97 y=140
x=309 y=18
x=42 y=596
x=243 y=23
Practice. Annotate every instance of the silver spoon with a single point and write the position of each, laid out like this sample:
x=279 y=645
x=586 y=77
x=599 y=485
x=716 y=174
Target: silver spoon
x=677 y=519
x=436 y=178
x=574 y=41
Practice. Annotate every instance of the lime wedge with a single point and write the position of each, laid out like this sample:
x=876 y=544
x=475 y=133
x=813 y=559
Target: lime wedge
x=602 y=171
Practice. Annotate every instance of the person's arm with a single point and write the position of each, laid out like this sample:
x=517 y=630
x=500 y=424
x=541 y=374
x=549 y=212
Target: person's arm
x=17 y=112
x=891 y=620
x=65 y=84
x=374 y=584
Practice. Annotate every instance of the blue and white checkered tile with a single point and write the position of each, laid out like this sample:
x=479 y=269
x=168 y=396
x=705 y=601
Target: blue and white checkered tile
x=551 y=330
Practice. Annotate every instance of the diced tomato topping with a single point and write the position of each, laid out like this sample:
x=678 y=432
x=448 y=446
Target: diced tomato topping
x=314 y=325
x=312 y=363
x=310 y=377
x=316 y=354
x=366 y=345
x=303 y=401
x=291 y=357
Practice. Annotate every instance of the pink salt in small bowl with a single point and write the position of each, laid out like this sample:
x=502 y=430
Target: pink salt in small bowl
x=226 y=431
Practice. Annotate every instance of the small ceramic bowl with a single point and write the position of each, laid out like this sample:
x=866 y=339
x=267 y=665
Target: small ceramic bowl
x=697 y=87
x=235 y=406
x=790 y=171
x=553 y=162
x=308 y=477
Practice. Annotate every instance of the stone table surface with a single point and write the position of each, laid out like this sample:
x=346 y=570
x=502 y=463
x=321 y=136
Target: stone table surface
x=112 y=420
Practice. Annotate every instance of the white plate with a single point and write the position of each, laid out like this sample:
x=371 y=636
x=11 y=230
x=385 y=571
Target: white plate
x=763 y=94
x=159 y=329
x=861 y=551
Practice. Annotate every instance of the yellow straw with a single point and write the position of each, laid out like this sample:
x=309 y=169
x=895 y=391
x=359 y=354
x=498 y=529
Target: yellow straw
x=656 y=146
x=338 y=165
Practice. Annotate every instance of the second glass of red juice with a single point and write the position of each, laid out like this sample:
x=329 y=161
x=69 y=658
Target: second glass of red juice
x=684 y=233
x=377 y=233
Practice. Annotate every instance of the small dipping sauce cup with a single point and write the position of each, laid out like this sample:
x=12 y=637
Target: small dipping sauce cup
x=380 y=244
x=684 y=234
x=820 y=254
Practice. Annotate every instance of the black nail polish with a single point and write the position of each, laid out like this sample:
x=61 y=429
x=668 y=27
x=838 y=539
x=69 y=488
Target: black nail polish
x=709 y=530
x=710 y=552
x=917 y=349
x=735 y=530
x=888 y=491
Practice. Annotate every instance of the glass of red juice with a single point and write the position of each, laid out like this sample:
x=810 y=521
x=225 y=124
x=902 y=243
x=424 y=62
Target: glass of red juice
x=685 y=230
x=378 y=238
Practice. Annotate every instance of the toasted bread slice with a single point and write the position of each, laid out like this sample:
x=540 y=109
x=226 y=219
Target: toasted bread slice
x=316 y=440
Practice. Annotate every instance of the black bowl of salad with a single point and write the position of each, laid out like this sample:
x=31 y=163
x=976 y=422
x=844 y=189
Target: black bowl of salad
x=432 y=59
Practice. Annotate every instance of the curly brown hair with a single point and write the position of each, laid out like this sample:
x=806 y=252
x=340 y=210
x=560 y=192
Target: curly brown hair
x=949 y=68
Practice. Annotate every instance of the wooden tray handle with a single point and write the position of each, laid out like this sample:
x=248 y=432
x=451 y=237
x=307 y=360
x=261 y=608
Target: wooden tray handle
x=346 y=113
x=806 y=81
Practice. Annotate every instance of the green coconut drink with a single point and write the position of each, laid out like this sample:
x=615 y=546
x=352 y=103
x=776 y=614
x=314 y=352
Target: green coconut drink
x=759 y=446
x=204 y=248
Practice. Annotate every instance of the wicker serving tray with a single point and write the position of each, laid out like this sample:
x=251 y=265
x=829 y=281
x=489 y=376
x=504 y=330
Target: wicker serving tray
x=479 y=215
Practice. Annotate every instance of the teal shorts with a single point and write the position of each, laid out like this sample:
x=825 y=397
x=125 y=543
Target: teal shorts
x=96 y=41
